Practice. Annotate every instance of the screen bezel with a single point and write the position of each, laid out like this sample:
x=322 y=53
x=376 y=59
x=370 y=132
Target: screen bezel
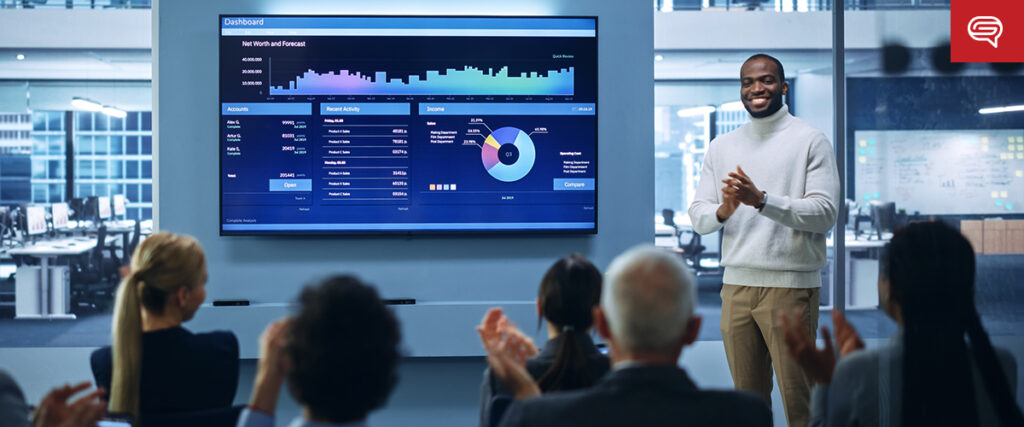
x=220 y=147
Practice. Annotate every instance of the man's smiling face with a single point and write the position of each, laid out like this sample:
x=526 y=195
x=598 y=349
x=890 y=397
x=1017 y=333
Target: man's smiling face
x=761 y=87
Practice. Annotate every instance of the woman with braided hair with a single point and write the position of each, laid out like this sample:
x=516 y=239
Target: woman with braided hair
x=156 y=366
x=940 y=369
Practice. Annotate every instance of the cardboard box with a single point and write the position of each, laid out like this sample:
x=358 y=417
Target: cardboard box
x=973 y=231
x=1015 y=235
x=996 y=240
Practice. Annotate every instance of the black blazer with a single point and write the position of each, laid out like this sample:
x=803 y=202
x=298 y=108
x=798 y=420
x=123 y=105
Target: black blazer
x=181 y=371
x=538 y=366
x=641 y=396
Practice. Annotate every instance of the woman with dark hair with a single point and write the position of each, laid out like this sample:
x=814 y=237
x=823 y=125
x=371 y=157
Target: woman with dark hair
x=568 y=293
x=935 y=378
x=339 y=356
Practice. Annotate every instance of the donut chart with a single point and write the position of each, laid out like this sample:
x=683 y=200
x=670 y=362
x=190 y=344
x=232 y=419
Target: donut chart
x=508 y=154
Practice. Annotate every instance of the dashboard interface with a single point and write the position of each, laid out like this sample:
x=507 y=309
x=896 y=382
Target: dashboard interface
x=345 y=124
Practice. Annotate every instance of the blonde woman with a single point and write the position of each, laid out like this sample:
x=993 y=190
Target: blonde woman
x=155 y=365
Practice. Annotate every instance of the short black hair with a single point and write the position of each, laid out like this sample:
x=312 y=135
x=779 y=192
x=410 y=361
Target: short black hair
x=778 y=64
x=344 y=350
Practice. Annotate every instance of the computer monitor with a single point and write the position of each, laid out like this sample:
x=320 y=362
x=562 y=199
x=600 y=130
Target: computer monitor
x=5 y=216
x=883 y=217
x=103 y=207
x=60 y=215
x=77 y=206
x=120 y=205
x=35 y=220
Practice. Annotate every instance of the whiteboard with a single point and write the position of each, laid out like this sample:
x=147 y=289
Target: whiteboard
x=941 y=172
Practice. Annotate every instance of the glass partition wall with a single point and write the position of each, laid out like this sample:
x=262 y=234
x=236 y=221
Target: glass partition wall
x=926 y=140
x=916 y=137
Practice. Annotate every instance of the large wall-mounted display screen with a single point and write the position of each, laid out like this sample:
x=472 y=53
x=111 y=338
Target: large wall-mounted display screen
x=343 y=124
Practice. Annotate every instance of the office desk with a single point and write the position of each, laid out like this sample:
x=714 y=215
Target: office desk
x=125 y=229
x=122 y=228
x=861 y=274
x=52 y=301
x=665 y=236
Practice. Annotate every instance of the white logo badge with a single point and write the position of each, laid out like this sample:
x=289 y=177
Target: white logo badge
x=986 y=29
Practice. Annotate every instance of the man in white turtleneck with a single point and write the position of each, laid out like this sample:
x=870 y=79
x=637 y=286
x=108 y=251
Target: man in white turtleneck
x=772 y=187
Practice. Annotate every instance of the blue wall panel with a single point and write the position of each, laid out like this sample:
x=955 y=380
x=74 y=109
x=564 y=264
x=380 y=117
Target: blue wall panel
x=458 y=276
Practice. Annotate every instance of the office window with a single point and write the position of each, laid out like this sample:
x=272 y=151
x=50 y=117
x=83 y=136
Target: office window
x=83 y=120
x=48 y=157
x=131 y=191
x=131 y=145
x=131 y=170
x=114 y=156
x=131 y=122
x=117 y=144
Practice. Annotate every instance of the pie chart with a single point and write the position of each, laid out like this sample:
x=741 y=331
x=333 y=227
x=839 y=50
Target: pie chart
x=508 y=154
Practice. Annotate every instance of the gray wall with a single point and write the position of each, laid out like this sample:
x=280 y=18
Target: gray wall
x=454 y=278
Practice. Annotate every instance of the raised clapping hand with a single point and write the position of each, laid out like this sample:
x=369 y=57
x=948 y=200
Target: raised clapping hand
x=846 y=337
x=272 y=367
x=741 y=188
x=507 y=350
x=818 y=364
x=54 y=410
x=728 y=206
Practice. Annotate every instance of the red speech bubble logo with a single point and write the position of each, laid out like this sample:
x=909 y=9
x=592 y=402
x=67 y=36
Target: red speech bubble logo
x=985 y=29
x=995 y=30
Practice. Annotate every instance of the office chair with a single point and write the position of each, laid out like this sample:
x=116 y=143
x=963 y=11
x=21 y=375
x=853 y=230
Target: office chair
x=496 y=409
x=136 y=236
x=883 y=217
x=692 y=249
x=686 y=239
x=669 y=217
x=94 y=276
x=76 y=207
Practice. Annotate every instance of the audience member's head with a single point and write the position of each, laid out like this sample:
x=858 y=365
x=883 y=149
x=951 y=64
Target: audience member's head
x=568 y=293
x=927 y=284
x=165 y=287
x=647 y=307
x=342 y=350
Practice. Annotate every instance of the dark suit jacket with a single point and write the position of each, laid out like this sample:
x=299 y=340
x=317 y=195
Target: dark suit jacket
x=181 y=371
x=641 y=396
x=13 y=409
x=538 y=366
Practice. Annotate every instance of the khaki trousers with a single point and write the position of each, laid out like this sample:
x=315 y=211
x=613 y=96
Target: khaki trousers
x=754 y=342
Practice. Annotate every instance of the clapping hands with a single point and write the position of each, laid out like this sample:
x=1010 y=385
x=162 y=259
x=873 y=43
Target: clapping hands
x=55 y=411
x=819 y=364
x=272 y=367
x=739 y=188
x=507 y=350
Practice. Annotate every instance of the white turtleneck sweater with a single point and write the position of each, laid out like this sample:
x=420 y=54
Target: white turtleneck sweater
x=783 y=245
